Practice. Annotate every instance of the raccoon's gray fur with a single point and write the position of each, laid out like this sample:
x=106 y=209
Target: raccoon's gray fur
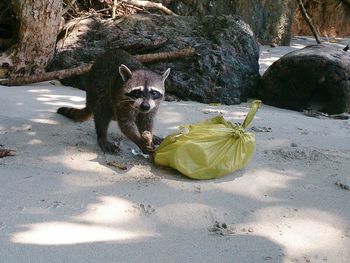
x=120 y=88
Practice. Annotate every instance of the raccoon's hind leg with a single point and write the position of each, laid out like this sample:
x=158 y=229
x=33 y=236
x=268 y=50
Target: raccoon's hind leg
x=75 y=114
x=102 y=120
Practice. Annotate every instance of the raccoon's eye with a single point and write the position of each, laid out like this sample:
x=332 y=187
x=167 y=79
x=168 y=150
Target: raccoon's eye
x=155 y=94
x=135 y=94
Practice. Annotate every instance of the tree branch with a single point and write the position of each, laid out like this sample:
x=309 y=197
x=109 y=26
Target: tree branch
x=308 y=21
x=59 y=74
x=148 y=4
x=65 y=73
x=147 y=58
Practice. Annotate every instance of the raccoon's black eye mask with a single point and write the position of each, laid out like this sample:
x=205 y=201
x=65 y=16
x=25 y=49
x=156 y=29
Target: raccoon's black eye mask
x=135 y=94
x=155 y=94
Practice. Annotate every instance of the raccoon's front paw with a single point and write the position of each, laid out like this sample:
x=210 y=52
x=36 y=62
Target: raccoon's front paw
x=108 y=147
x=157 y=140
x=147 y=137
x=147 y=148
x=147 y=144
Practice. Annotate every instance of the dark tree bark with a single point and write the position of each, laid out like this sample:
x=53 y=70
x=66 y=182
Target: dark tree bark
x=37 y=28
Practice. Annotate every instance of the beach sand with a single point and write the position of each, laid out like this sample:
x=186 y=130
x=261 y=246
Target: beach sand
x=60 y=200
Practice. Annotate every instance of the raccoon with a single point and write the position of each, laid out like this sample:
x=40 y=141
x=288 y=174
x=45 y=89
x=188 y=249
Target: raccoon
x=131 y=97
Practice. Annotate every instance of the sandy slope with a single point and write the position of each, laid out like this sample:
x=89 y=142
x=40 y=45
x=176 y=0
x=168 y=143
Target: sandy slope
x=61 y=202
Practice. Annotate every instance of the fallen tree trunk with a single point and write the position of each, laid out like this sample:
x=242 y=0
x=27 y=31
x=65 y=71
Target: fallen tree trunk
x=65 y=73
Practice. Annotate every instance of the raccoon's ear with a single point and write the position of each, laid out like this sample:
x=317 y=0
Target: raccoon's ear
x=166 y=74
x=124 y=72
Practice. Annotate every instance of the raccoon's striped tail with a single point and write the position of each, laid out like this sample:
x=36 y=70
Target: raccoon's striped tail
x=75 y=114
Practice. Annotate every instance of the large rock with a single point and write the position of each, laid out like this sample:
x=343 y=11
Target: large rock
x=316 y=77
x=226 y=69
x=271 y=21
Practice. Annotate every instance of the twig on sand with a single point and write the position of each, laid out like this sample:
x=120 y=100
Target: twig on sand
x=7 y=152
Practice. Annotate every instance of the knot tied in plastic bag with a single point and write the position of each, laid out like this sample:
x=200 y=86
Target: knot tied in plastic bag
x=209 y=149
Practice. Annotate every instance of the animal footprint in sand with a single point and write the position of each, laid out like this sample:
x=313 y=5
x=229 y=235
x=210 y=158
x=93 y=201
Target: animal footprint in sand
x=146 y=209
x=222 y=229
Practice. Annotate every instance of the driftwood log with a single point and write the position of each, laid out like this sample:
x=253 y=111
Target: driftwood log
x=65 y=73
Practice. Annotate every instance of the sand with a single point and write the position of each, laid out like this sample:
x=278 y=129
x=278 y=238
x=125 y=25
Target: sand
x=61 y=202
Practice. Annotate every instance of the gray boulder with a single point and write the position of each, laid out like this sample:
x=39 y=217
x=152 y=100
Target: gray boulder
x=226 y=69
x=271 y=21
x=316 y=77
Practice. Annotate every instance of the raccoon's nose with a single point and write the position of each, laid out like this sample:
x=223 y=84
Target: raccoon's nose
x=145 y=106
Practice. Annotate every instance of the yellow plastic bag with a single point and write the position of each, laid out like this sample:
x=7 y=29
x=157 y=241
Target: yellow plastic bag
x=209 y=149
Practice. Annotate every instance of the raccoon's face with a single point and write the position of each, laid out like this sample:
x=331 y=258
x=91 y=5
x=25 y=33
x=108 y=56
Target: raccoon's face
x=144 y=89
x=145 y=97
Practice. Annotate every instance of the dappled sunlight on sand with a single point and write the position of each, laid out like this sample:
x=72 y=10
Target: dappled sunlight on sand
x=39 y=90
x=34 y=142
x=45 y=121
x=110 y=210
x=60 y=100
x=65 y=104
x=269 y=59
x=49 y=98
x=304 y=234
x=61 y=199
x=74 y=162
x=186 y=215
x=65 y=233
x=266 y=181
x=91 y=168
x=169 y=117
x=105 y=221
x=63 y=100
x=268 y=55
